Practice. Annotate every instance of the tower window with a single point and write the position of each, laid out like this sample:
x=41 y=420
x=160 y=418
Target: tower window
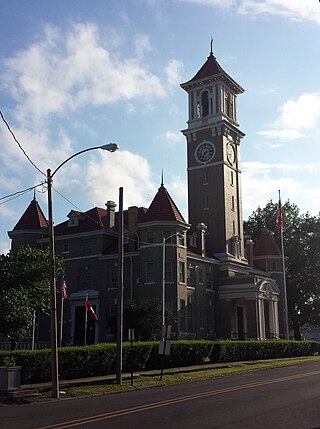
x=232 y=202
x=181 y=272
x=205 y=178
x=206 y=202
x=205 y=103
x=231 y=178
x=229 y=105
x=233 y=227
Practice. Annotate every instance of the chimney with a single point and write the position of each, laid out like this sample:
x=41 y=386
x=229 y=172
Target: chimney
x=132 y=219
x=249 y=249
x=202 y=239
x=111 y=208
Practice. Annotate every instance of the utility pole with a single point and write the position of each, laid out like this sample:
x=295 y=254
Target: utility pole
x=120 y=291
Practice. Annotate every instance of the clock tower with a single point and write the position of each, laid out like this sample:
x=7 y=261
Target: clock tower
x=213 y=154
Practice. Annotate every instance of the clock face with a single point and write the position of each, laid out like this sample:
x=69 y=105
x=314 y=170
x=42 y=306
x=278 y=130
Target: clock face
x=231 y=154
x=205 y=152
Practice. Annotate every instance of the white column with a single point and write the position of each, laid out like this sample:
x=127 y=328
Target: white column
x=262 y=320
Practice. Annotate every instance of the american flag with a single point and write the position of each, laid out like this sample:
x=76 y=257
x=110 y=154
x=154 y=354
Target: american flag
x=64 y=289
x=90 y=310
x=279 y=216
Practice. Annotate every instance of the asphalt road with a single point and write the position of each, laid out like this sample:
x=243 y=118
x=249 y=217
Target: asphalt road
x=275 y=398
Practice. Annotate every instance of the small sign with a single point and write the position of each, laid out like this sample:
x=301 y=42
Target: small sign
x=131 y=334
x=164 y=347
x=166 y=332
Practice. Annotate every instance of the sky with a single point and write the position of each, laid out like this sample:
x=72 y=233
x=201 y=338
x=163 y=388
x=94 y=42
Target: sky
x=76 y=74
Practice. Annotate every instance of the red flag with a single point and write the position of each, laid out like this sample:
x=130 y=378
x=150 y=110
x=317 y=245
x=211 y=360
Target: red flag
x=64 y=289
x=279 y=216
x=90 y=310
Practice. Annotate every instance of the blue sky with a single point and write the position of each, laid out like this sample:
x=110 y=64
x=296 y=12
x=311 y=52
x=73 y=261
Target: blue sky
x=79 y=73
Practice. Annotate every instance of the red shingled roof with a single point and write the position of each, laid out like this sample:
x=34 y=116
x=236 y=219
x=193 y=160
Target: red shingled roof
x=266 y=246
x=32 y=218
x=163 y=208
x=212 y=68
x=91 y=220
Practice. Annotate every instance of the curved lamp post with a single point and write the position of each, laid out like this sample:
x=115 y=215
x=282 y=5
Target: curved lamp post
x=111 y=147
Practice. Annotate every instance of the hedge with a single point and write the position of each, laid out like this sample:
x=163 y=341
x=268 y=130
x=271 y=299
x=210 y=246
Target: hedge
x=86 y=361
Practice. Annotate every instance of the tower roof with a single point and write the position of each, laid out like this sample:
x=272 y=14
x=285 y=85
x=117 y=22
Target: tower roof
x=266 y=246
x=211 y=70
x=163 y=208
x=33 y=218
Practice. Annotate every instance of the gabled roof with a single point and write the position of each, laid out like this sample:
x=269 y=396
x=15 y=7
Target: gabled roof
x=91 y=220
x=266 y=246
x=32 y=219
x=163 y=208
x=212 y=69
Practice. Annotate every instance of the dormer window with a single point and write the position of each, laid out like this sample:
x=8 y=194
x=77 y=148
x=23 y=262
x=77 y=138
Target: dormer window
x=73 y=221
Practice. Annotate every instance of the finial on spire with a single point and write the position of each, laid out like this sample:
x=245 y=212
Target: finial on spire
x=34 y=194
x=211 y=43
x=162 y=178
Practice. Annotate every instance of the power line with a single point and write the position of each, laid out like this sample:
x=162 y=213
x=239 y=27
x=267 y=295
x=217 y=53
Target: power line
x=18 y=143
x=17 y=194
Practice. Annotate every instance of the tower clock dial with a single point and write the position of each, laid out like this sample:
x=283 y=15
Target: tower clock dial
x=231 y=153
x=205 y=152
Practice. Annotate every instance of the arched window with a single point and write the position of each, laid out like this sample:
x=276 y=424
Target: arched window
x=229 y=105
x=205 y=103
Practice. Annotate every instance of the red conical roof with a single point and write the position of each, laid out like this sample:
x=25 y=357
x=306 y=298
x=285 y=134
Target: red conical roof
x=32 y=218
x=163 y=208
x=266 y=246
x=212 y=69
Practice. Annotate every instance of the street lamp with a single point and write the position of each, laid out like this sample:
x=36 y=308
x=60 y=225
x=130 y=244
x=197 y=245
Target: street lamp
x=164 y=239
x=111 y=147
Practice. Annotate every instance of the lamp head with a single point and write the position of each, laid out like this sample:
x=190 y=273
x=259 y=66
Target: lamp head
x=111 y=147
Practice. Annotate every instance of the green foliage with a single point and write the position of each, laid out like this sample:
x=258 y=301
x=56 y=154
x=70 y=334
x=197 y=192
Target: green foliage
x=8 y=361
x=146 y=319
x=99 y=360
x=24 y=288
x=301 y=233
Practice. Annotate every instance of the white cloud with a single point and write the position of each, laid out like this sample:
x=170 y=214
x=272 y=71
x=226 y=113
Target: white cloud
x=4 y=247
x=296 y=117
x=107 y=172
x=174 y=71
x=261 y=182
x=173 y=137
x=62 y=72
x=142 y=45
x=296 y=10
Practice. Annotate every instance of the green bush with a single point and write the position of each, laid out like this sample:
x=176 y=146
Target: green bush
x=86 y=361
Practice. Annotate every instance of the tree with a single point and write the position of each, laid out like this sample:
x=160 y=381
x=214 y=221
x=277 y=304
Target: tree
x=146 y=319
x=301 y=233
x=24 y=288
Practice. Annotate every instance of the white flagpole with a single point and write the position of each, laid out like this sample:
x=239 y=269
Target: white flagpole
x=61 y=319
x=85 y=322
x=285 y=301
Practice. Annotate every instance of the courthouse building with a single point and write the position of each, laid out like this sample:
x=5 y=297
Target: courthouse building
x=217 y=283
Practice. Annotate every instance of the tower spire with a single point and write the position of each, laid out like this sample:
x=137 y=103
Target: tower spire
x=162 y=178
x=211 y=43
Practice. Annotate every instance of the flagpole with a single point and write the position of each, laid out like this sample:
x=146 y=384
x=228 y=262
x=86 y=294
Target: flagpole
x=86 y=322
x=285 y=301
x=61 y=318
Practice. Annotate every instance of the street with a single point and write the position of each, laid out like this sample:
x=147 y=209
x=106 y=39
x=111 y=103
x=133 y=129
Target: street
x=275 y=398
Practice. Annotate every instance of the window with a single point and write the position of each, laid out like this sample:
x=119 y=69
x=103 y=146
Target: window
x=114 y=278
x=200 y=276
x=229 y=105
x=205 y=103
x=86 y=280
x=181 y=239
x=182 y=314
x=149 y=272
x=149 y=237
x=233 y=227
x=206 y=202
x=170 y=234
x=87 y=248
x=232 y=202
x=65 y=248
x=168 y=271
x=205 y=178
x=231 y=178
x=73 y=221
x=181 y=272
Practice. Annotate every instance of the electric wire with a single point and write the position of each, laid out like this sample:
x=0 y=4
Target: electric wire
x=18 y=143
x=17 y=194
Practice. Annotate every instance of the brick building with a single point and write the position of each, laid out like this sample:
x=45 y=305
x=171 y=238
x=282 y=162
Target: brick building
x=216 y=284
